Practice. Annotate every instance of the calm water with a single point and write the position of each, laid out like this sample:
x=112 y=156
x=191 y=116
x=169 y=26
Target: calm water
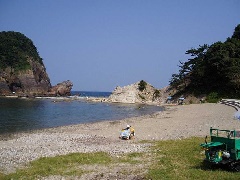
x=27 y=114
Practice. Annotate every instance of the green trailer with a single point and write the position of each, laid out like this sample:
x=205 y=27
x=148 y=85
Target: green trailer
x=224 y=148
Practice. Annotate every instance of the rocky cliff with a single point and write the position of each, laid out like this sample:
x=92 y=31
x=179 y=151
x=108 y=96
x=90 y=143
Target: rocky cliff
x=134 y=94
x=22 y=71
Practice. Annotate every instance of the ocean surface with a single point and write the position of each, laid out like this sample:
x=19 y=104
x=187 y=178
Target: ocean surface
x=17 y=114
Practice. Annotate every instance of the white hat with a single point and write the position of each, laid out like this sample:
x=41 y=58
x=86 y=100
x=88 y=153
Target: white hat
x=128 y=126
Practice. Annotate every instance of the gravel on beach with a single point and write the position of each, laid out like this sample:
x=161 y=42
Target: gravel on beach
x=176 y=122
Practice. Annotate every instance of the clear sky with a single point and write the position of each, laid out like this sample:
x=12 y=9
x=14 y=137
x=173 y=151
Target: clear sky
x=99 y=44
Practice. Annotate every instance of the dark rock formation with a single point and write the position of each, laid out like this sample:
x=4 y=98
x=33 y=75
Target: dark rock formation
x=31 y=82
x=62 y=89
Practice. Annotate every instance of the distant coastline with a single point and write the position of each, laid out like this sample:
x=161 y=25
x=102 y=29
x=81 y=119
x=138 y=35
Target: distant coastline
x=75 y=95
x=91 y=93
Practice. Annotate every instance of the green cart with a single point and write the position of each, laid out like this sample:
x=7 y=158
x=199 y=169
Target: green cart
x=224 y=148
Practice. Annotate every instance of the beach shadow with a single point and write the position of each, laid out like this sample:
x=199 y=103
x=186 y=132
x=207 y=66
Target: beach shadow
x=212 y=167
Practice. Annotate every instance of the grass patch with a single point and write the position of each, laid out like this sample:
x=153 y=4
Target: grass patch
x=64 y=165
x=146 y=142
x=132 y=158
x=1 y=175
x=183 y=159
x=171 y=159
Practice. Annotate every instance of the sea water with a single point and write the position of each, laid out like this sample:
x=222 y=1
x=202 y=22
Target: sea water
x=17 y=114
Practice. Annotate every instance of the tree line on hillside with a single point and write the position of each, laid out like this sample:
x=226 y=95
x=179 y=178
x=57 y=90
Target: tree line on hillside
x=15 y=49
x=211 y=70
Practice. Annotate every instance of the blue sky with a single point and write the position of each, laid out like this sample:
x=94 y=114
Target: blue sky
x=100 y=44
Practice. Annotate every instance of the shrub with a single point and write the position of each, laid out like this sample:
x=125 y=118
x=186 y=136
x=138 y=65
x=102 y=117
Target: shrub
x=213 y=97
x=142 y=85
x=156 y=94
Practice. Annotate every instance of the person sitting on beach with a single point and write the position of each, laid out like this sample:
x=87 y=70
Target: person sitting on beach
x=125 y=133
x=132 y=131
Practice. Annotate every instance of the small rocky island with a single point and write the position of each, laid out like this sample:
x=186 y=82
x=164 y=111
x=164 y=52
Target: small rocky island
x=139 y=92
x=22 y=72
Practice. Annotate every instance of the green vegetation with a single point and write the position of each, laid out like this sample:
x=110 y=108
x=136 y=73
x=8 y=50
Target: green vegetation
x=142 y=85
x=15 y=48
x=156 y=94
x=214 y=68
x=183 y=159
x=213 y=97
x=65 y=165
x=2 y=176
x=171 y=159
x=132 y=158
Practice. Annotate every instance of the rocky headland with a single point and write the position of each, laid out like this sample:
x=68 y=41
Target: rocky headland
x=22 y=71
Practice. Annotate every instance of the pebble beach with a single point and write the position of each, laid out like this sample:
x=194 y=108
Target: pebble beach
x=176 y=122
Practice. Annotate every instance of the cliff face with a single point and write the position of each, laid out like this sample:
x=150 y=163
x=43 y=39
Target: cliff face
x=132 y=94
x=126 y=94
x=33 y=81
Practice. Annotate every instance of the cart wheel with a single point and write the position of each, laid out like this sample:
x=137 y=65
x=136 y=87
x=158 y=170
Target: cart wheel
x=235 y=166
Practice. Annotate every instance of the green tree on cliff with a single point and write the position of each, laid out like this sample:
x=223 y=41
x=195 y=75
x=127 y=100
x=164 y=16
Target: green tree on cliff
x=15 y=49
x=142 y=85
x=214 y=68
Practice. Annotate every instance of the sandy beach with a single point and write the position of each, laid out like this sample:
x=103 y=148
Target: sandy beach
x=176 y=122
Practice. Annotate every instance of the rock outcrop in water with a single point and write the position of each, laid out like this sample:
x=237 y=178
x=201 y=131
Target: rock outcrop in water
x=22 y=71
x=135 y=94
x=62 y=89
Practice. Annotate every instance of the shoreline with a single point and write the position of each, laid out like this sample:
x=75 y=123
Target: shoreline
x=92 y=100
x=176 y=122
x=11 y=135
x=167 y=113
